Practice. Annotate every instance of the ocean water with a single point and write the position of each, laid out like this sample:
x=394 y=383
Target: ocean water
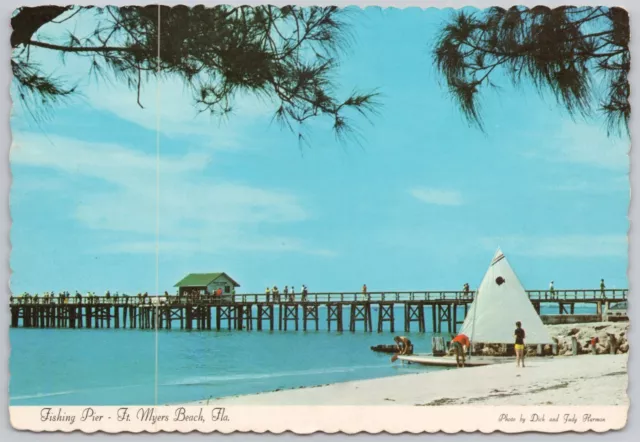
x=118 y=367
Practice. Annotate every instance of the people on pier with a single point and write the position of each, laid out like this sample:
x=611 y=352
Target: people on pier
x=268 y=293
x=364 y=292
x=305 y=292
x=552 y=290
x=276 y=294
x=602 y=287
x=519 y=336
x=460 y=344
x=466 y=290
x=285 y=293
x=292 y=295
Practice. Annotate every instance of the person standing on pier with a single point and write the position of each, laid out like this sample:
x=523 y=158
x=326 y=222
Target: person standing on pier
x=292 y=296
x=465 y=290
x=285 y=293
x=460 y=344
x=305 y=292
x=268 y=293
x=552 y=290
x=519 y=335
x=364 y=292
x=602 y=288
x=276 y=294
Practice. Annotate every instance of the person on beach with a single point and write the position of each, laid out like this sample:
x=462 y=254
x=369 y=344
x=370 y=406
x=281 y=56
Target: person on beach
x=404 y=344
x=519 y=335
x=404 y=347
x=460 y=344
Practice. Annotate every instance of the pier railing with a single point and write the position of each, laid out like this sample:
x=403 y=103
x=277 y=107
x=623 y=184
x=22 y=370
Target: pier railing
x=575 y=295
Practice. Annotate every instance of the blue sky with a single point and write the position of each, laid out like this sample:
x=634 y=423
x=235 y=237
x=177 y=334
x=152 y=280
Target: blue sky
x=421 y=203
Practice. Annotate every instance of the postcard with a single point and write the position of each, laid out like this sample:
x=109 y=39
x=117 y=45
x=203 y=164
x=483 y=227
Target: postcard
x=319 y=218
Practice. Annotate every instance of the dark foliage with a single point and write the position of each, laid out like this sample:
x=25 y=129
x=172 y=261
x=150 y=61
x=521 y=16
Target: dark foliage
x=581 y=54
x=285 y=54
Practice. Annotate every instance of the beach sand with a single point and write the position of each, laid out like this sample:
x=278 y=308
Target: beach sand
x=568 y=380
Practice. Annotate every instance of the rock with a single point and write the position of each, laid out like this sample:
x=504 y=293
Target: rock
x=488 y=351
x=574 y=331
x=624 y=348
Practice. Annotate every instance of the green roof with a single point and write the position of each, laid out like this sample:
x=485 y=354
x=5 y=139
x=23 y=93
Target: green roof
x=202 y=279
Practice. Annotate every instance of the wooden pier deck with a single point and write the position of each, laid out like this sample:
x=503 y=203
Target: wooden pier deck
x=255 y=312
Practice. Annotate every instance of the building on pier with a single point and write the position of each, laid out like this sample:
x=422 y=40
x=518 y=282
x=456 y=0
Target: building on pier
x=206 y=284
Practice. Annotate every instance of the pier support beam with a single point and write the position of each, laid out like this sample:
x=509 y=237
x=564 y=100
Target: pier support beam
x=360 y=312
x=289 y=313
x=309 y=313
x=334 y=314
x=414 y=312
x=385 y=314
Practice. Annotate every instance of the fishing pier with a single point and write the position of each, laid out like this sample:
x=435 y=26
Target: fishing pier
x=349 y=311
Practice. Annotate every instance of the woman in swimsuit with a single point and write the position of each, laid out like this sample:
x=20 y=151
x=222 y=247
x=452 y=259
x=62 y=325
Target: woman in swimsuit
x=519 y=336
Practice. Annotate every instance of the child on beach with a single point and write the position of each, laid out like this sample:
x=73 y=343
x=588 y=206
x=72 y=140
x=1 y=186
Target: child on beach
x=460 y=344
x=519 y=347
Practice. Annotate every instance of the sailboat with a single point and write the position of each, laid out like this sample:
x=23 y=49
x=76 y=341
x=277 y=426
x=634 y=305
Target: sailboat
x=499 y=303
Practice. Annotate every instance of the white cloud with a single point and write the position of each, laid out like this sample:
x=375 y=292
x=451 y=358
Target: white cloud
x=575 y=246
x=177 y=111
x=594 y=186
x=198 y=213
x=587 y=144
x=440 y=197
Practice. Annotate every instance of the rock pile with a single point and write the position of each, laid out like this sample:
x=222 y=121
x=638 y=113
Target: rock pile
x=600 y=334
x=605 y=334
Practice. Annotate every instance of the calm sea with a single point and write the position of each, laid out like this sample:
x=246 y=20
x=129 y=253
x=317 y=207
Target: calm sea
x=117 y=367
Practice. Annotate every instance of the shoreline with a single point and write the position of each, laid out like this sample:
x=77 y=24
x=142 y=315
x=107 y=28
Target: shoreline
x=573 y=380
x=584 y=379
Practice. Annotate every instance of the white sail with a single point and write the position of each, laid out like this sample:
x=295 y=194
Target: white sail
x=500 y=301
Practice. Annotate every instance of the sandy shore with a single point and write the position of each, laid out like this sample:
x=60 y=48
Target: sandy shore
x=573 y=380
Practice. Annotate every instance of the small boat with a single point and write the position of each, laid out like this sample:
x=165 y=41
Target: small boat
x=449 y=361
x=386 y=348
